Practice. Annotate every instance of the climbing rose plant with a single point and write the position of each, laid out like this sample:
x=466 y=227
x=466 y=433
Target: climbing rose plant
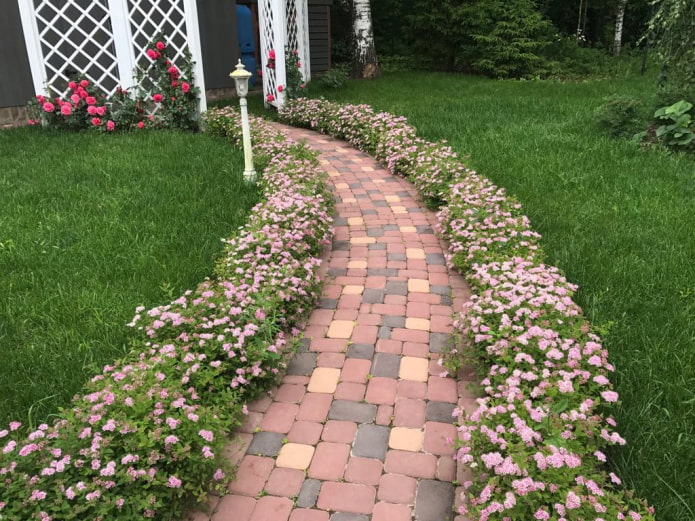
x=166 y=97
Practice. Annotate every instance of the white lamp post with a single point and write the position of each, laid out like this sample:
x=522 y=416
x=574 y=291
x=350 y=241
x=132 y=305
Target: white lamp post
x=241 y=78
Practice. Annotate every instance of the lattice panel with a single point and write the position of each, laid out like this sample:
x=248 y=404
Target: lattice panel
x=267 y=28
x=76 y=37
x=292 y=28
x=149 y=18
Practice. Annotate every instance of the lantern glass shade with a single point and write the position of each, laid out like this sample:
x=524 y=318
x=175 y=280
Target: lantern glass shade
x=241 y=79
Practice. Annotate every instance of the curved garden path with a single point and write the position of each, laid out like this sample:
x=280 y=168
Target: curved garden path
x=358 y=428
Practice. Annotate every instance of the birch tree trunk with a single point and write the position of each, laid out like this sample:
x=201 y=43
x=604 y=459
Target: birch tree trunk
x=618 y=37
x=364 y=63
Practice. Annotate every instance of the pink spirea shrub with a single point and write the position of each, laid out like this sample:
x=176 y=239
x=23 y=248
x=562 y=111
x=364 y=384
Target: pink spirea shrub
x=147 y=435
x=536 y=444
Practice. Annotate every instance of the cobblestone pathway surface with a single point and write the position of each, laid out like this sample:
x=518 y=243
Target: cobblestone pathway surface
x=358 y=430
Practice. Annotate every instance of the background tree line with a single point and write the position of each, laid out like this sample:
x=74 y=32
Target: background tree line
x=522 y=38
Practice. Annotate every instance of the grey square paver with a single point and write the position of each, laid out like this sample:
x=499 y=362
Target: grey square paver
x=397 y=257
x=440 y=412
x=375 y=232
x=446 y=300
x=384 y=332
x=373 y=296
x=382 y=272
x=345 y=516
x=266 y=444
x=434 y=501
x=341 y=246
x=302 y=364
x=424 y=229
x=397 y=287
x=435 y=259
x=308 y=493
x=439 y=341
x=328 y=303
x=440 y=290
x=371 y=441
x=337 y=272
x=377 y=246
x=363 y=351
x=386 y=364
x=392 y=321
x=352 y=411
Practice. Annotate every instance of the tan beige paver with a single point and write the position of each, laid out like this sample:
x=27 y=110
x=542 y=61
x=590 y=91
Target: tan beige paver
x=295 y=456
x=413 y=368
x=418 y=285
x=415 y=253
x=340 y=329
x=324 y=380
x=421 y=324
x=403 y=438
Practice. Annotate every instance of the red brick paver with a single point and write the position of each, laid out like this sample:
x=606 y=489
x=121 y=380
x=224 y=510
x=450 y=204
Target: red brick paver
x=387 y=293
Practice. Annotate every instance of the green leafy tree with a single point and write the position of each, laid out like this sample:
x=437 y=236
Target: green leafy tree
x=511 y=45
x=672 y=28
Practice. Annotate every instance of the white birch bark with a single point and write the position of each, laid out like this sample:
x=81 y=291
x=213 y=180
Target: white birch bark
x=364 y=63
x=618 y=37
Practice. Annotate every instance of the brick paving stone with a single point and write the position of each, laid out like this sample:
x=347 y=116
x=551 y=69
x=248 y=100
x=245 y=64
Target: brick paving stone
x=393 y=321
x=314 y=407
x=385 y=364
x=236 y=449
x=260 y=404
x=355 y=370
x=333 y=345
x=406 y=438
x=413 y=368
x=436 y=436
x=284 y=482
x=384 y=332
x=391 y=512
x=446 y=469
x=324 y=380
x=340 y=329
x=266 y=444
x=302 y=364
x=251 y=475
x=384 y=415
x=434 y=501
x=442 y=389
x=271 y=508
x=413 y=464
x=410 y=335
x=364 y=334
x=440 y=411
x=409 y=412
x=397 y=488
x=421 y=324
x=352 y=411
x=308 y=493
x=439 y=341
x=234 y=508
x=304 y=432
x=416 y=349
x=306 y=514
x=346 y=497
x=329 y=461
x=279 y=417
x=339 y=431
x=364 y=470
x=295 y=456
x=251 y=422
x=290 y=393
x=373 y=296
x=410 y=389
x=364 y=351
x=381 y=391
x=371 y=441
x=346 y=516
x=335 y=360
x=396 y=288
x=350 y=391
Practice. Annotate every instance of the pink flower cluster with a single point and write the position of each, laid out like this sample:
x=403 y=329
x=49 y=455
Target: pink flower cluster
x=148 y=433
x=80 y=105
x=536 y=442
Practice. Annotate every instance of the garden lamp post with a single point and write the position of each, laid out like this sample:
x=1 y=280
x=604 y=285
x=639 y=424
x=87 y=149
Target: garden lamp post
x=241 y=79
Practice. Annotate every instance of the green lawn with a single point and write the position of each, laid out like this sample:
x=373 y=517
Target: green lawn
x=618 y=220
x=92 y=226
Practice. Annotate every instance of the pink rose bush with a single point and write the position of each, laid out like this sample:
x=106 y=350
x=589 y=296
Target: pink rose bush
x=537 y=443
x=166 y=97
x=147 y=435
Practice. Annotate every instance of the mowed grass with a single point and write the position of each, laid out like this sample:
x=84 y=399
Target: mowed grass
x=618 y=220
x=92 y=226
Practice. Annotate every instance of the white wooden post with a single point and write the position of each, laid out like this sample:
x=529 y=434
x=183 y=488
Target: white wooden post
x=193 y=40
x=122 y=36
x=272 y=21
x=33 y=44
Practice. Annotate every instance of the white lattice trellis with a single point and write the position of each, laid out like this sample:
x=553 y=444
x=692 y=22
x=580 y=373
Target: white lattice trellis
x=104 y=40
x=284 y=24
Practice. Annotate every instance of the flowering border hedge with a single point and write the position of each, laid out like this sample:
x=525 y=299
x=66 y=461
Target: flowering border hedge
x=536 y=443
x=147 y=436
